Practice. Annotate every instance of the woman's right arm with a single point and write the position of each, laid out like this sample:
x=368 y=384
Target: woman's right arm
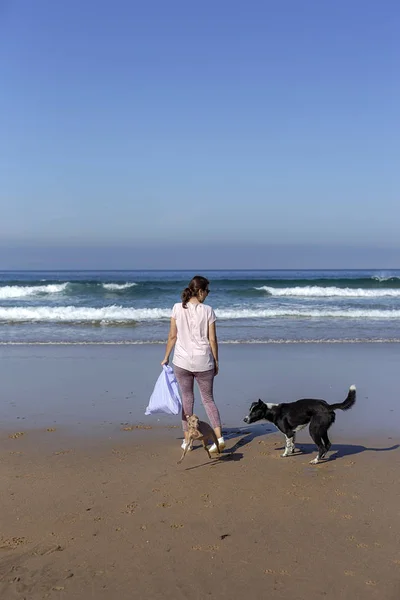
x=212 y=338
x=171 y=341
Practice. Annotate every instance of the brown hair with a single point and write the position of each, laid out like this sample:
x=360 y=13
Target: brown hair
x=198 y=284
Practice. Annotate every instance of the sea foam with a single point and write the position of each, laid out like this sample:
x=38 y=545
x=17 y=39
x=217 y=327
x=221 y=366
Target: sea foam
x=118 y=286
x=329 y=292
x=125 y=315
x=20 y=291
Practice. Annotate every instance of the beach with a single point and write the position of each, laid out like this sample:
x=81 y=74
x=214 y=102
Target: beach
x=95 y=506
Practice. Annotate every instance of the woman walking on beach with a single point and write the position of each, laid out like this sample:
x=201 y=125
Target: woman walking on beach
x=193 y=333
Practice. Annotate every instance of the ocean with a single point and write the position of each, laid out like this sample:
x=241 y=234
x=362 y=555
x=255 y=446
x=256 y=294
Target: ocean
x=133 y=307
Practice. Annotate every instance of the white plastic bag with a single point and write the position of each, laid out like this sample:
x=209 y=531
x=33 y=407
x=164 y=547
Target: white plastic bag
x=165 y=397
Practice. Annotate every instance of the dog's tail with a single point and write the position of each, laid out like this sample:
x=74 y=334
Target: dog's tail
x=348 y=403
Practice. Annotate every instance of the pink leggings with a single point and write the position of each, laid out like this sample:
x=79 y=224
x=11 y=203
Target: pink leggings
x=205 y=381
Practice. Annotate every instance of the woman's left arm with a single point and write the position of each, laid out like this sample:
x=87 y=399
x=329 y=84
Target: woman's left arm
x=171 y=341
x=212 y=338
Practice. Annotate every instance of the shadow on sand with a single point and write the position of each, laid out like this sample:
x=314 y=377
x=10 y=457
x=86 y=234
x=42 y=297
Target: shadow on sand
x=246 y=435
x=342 y=450
x=337 y=451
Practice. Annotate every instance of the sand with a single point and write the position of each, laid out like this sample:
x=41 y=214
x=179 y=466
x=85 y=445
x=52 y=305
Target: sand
x=95 y=506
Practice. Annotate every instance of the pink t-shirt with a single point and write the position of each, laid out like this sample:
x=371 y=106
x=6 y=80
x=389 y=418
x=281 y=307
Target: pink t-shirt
x=192 y=349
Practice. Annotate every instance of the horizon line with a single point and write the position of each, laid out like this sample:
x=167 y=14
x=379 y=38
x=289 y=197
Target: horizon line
x=191 y=270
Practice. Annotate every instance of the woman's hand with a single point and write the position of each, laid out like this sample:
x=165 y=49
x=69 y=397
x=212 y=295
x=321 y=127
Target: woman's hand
x=171 y=341
x=216 y=368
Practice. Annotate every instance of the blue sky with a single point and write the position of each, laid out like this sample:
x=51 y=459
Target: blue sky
x=219 y=127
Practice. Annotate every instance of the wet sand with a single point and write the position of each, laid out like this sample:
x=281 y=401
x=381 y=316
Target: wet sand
x=95 y=386
x=95 y=506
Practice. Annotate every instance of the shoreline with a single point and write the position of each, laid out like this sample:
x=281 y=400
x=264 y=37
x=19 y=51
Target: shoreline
x=220 y=342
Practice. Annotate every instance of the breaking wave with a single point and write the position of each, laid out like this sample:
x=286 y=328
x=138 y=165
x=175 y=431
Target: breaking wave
x=118 y=286
x=20 y=291
x=329 y=292
x=126 y=315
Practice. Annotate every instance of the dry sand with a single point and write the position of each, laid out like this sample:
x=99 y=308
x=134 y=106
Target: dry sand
x=116 y=518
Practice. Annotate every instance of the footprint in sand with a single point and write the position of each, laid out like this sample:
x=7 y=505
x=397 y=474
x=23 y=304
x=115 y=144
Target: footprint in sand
x=12 y=543
x=279 y=572
x=122 y=456
x=132 y=427
x=206 y=548
x=349 y=573
x=51 y=429
x=16 y=435
x=130 y=508
x=369 y=582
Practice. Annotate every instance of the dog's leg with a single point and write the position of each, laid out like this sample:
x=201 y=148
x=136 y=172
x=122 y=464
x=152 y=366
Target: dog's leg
x=289 y=447
x=321 y=448
x=189 y=442
x=327 y=443
x=205 y=448
x=319 y=457
x=319 y=432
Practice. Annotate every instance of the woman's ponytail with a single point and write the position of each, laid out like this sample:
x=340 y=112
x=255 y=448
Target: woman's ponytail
x=186 y=295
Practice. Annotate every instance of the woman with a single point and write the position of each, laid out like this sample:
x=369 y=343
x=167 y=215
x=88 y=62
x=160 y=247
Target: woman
x=193 y=333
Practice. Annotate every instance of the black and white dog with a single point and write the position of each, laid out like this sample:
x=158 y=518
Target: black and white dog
x=293 y=416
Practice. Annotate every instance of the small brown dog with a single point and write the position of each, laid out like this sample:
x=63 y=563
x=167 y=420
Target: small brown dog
x=199 y=430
